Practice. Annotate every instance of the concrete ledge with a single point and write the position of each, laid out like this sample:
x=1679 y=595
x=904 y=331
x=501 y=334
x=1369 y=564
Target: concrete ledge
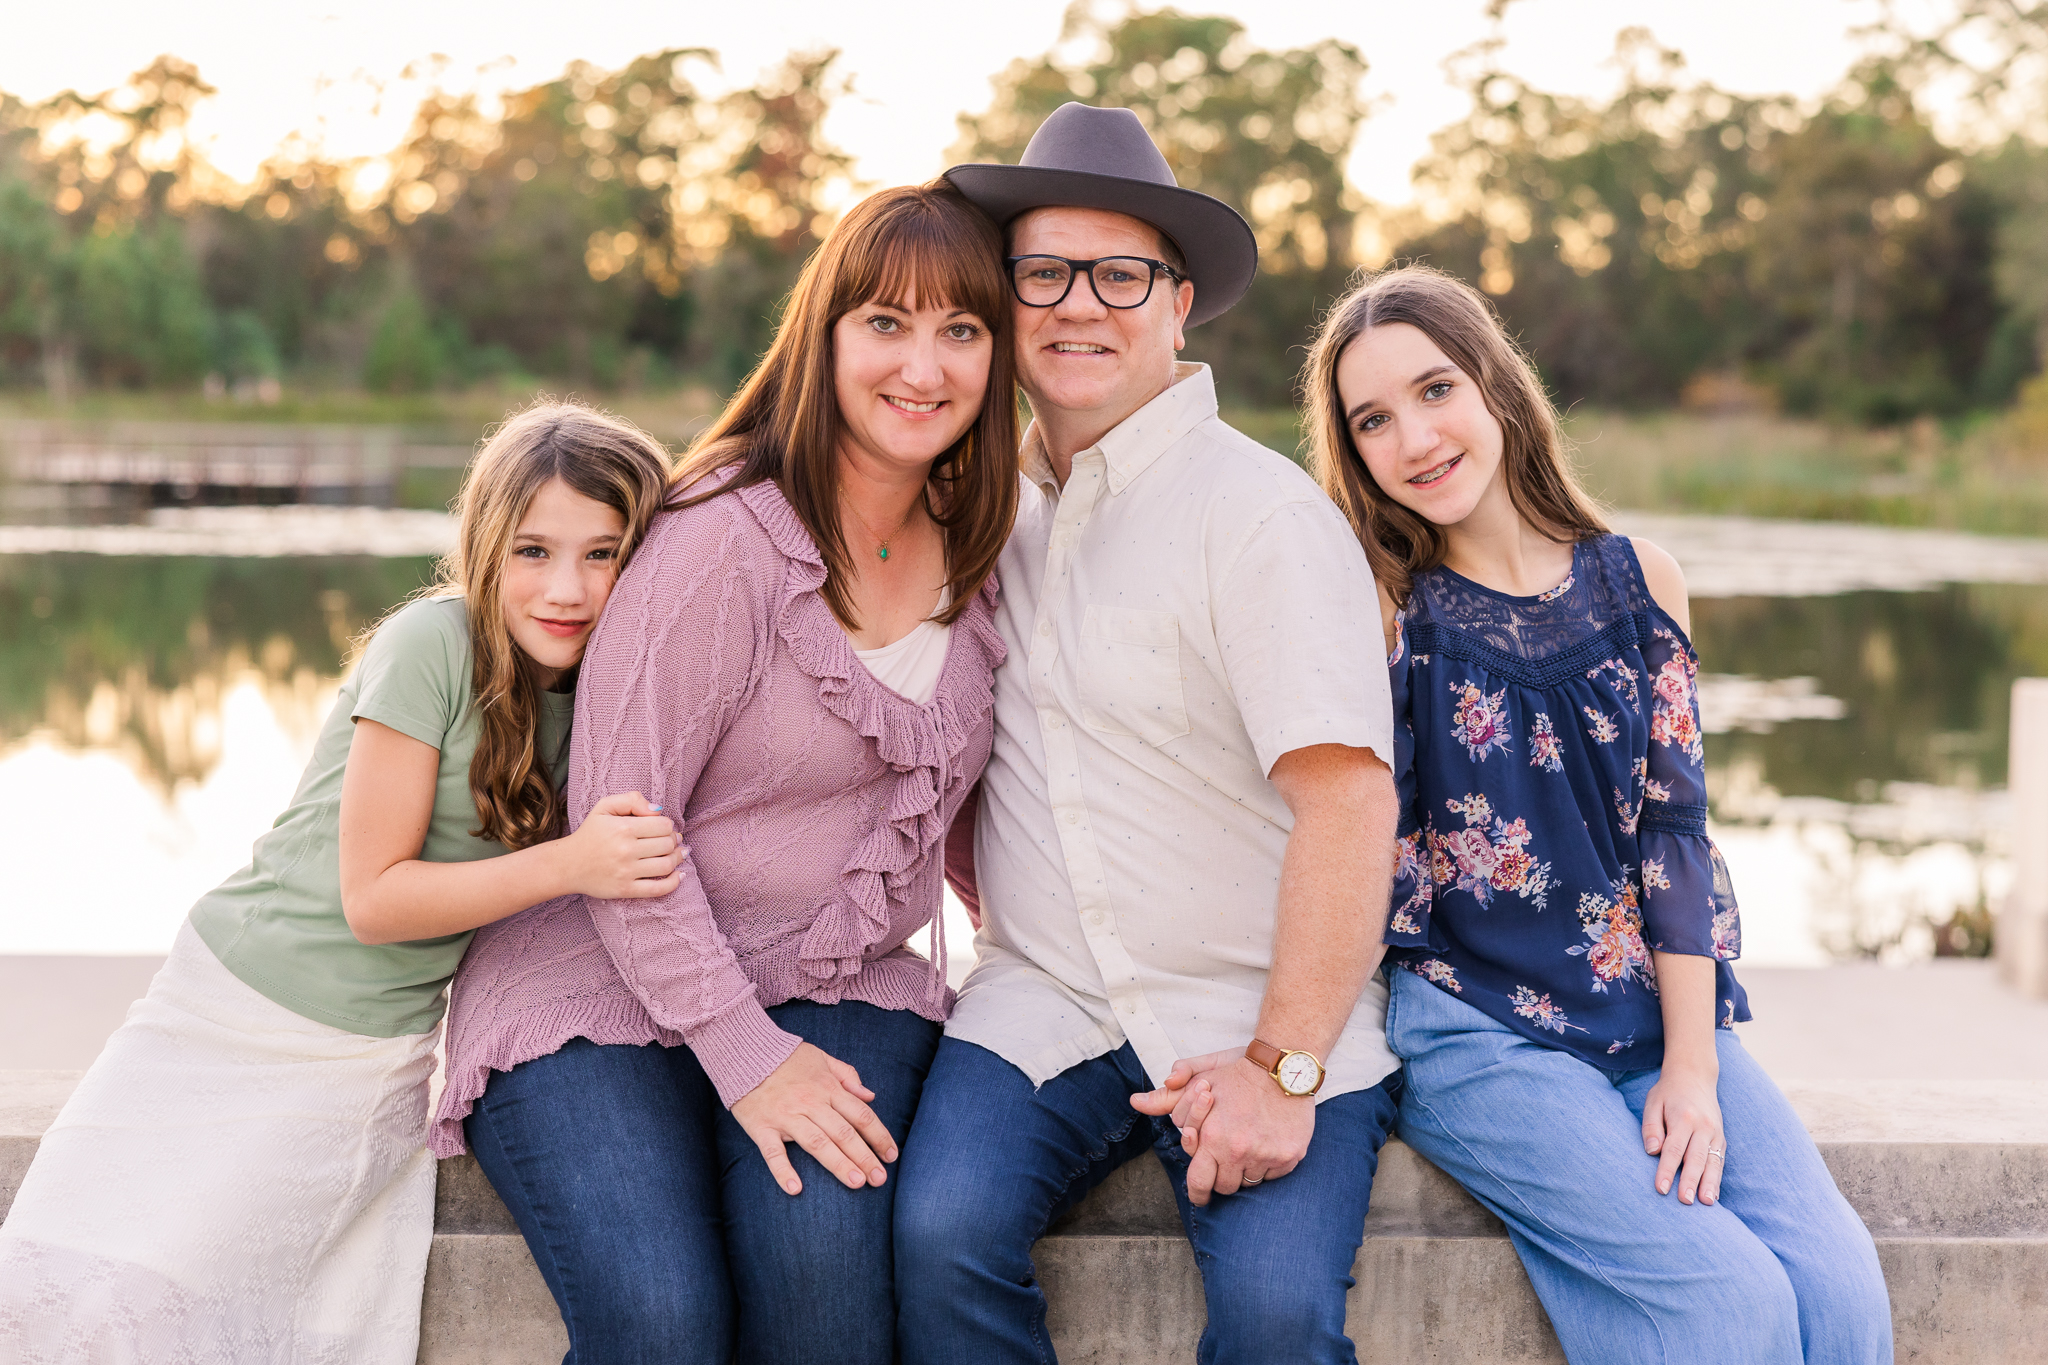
x=1951 y=1178
x=486 y=1304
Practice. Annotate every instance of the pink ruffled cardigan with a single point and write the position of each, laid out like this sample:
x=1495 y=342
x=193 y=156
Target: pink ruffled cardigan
x=814 y=803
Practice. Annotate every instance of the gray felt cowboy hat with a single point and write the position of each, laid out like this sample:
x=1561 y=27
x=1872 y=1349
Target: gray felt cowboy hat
x=1103 y=159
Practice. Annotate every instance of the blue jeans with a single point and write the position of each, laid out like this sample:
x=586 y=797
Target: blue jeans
x=1779 y=1270
x=655 y=1222
x=991 y=1162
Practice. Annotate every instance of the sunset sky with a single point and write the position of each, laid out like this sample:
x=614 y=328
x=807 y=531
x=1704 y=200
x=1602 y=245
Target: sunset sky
x=334 y=71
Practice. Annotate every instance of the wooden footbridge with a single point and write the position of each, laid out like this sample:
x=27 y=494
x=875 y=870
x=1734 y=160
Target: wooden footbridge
x=161 y=464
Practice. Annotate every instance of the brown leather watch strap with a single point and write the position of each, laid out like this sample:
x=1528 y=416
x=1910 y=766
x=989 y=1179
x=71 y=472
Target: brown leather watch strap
x=1264 y=1056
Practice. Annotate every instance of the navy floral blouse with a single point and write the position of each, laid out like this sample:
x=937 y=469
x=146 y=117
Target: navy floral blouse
x=1554 y=808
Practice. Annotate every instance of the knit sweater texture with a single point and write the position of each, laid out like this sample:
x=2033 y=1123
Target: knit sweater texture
x=813 y=803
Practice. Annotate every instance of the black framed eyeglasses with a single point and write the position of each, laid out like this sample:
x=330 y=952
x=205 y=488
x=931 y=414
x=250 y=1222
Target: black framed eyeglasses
x=1118 y=281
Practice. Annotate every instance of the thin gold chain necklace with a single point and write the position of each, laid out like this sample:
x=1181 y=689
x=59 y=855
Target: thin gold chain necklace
x=882 y=543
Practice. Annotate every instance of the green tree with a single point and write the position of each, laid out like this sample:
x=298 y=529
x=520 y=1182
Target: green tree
x=243 y=348
x=1632 y=244
x=138 y=310
x=1609 y=232
x=1874 y=261
x=1266 y=132
x=608 y=209
x=106 y=268
x=2016 y=178
x=405 y=355
x=1997 y=52
x=605 y=224
x=293 y=256
x=765 y=199
x=34 y=266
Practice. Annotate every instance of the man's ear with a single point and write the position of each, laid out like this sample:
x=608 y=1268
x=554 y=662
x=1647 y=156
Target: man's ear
x=1183 y=304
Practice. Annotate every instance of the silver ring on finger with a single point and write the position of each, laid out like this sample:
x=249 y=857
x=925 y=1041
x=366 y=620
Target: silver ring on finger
x=1249 y=1180
x=1719 y=1154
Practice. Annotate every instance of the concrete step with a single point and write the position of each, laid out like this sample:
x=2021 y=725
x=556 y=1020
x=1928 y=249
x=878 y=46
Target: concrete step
x=1951 y=1178
x=1955 y=1301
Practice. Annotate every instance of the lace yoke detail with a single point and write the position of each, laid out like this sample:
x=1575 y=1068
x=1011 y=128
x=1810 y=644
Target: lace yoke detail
x=1599 y=608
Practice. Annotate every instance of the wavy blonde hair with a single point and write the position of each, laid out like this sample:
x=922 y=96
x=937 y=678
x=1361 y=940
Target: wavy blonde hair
x=606 y=459
x=1535 y=459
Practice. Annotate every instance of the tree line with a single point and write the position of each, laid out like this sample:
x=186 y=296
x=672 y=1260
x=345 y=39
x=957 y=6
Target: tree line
x=622 y=228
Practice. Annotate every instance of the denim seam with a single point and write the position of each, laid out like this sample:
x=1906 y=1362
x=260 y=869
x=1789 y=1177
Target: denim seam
x=566 y=1301
x=1591 y=1259
x=1043 y=1343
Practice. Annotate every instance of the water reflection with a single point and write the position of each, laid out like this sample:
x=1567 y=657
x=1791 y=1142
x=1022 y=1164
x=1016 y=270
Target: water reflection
x=1925 y=679
x=100 y=858
x=1879 y=832
x=134 y=655
x=155 y=712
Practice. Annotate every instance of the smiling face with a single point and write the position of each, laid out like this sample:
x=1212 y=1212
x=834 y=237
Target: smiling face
x=1420 y=423
x=1080 y=357
x=909 y=379
x=558 y=573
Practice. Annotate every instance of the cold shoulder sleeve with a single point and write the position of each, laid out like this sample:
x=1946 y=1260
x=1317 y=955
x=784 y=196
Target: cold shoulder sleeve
x=1413 y=890
x=679 y=649
x=1688 y=904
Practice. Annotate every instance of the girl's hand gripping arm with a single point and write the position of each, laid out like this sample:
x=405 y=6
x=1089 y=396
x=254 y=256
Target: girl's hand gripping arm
x=626 y=849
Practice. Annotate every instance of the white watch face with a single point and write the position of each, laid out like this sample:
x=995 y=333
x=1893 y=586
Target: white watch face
x=1299 y=1073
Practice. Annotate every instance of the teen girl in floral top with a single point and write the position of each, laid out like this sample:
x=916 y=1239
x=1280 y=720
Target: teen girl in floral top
x=1561 y=926
x=1508 y=711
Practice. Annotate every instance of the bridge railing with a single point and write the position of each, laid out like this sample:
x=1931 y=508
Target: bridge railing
x=189 y=461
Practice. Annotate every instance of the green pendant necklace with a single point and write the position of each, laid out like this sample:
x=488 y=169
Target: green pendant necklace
x=882 y=543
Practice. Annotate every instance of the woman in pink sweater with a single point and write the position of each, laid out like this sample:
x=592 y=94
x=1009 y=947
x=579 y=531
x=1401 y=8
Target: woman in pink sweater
x=689 y=1102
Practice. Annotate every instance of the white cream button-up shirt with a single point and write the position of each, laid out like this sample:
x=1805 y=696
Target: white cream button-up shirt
x=1186 y=610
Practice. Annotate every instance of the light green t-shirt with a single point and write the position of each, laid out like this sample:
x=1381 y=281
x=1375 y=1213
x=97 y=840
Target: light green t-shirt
x=277 y=924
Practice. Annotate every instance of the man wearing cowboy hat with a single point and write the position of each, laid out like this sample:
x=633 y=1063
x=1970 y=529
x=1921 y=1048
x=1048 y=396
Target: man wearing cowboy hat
x=1186 y=829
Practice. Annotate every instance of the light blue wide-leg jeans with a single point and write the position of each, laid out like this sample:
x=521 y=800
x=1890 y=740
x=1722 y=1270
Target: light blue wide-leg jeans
x=1778 y=1271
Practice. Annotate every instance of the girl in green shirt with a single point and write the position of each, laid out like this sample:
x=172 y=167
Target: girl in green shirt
x=242 y=1175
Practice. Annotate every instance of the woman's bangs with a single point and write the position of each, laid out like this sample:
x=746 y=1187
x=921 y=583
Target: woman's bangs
x=930 y=262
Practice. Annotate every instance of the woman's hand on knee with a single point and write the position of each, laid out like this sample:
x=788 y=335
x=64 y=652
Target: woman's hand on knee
x=1682 y=1129
x=816 y=1101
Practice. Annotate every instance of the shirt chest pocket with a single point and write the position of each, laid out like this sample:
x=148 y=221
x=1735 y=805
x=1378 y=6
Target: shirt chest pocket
x=1130 y=674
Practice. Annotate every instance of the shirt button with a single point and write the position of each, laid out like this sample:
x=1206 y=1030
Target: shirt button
x=1045 y=627
x=1072 y=817
x=1095 y=918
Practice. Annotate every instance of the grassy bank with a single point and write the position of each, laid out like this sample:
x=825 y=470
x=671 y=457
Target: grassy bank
x=1983 y=478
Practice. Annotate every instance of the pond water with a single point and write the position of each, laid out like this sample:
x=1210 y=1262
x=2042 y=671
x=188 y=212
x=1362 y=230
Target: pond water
x=160 y=686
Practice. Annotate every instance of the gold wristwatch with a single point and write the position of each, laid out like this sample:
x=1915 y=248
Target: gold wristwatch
x=1298 y=1073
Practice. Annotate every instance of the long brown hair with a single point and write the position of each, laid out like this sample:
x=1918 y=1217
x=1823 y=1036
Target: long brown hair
x=606 y=459
x=1534 y=457
x=783 y=427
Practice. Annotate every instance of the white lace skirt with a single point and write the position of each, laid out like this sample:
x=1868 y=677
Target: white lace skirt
x=230 y=1183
